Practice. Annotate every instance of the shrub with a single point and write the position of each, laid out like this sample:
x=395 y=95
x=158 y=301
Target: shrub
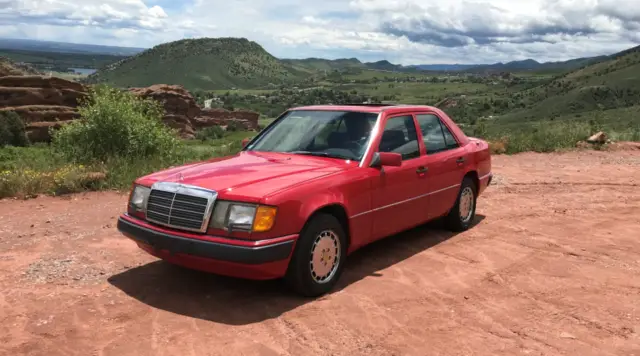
x=210 y=133
x=115 y=124
x=545 y=137
x=234 y=126
x=12 y=131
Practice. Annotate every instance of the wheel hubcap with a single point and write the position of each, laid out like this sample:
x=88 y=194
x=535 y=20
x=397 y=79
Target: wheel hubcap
x=325 y=256
x=466 y=204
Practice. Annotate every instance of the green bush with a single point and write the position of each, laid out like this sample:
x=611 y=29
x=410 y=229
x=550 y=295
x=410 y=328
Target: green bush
x=234 y=126
x=12 y=131
x=210 y=133
x=115 y=124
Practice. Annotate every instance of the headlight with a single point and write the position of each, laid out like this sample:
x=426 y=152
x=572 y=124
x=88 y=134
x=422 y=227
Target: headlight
x=243 y=217
x=139 y=197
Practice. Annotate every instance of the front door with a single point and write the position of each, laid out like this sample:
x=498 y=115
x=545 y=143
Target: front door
x=397 y=201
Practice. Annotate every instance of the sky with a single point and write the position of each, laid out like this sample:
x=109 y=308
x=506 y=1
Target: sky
x=401 y=31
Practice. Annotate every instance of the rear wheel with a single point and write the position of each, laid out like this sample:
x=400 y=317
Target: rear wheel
x=319 y=257
x=463 y=212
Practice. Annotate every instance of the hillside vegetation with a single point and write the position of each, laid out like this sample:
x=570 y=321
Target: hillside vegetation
x=610 y=84
x=205 y=63
x=9 y=67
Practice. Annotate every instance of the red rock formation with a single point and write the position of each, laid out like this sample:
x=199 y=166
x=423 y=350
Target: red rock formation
x=179 y=105
x=247 y=120
x=45 y=103
x=183 y=113
x=41 y=102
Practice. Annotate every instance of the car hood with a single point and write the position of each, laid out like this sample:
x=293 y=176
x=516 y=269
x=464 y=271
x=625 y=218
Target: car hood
x=250 y=175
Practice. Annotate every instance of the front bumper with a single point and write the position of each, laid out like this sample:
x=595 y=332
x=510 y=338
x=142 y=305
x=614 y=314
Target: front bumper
x=183 y=245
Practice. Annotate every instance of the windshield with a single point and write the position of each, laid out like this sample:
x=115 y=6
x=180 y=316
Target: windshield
x=337 y=134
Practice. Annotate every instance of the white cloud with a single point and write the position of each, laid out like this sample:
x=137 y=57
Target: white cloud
x=406 y=31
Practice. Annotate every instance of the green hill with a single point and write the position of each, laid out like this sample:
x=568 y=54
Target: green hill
x=206 y=63
x=610 y=84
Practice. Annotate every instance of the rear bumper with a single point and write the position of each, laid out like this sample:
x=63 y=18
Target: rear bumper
x=244 y=259
x=485 y=181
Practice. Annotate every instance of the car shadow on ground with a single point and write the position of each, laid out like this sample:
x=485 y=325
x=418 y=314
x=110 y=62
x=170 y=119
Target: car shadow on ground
x=239 y=302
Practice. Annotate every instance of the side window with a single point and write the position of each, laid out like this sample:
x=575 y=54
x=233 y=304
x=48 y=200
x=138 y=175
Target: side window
x=400 y=136
x=436 y=136
x=448 y=137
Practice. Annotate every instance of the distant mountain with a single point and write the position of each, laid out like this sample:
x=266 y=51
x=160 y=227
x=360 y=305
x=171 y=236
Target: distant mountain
x=387 y=66
x=445 y=67
x=320 y=64
x=533 y=65
x=64 y=47
x=205 y=63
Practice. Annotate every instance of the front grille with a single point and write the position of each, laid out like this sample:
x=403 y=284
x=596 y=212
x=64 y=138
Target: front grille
x=180 y=206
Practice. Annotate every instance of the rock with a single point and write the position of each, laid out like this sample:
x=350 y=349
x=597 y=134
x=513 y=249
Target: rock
x=179 y=106
x=20 y=96
x=40 y=131
x=38 y=81
x=183 y=113
x=566 y=335
x=43 y=103
x=246 y=119
x=46 y=113
x=598 y=138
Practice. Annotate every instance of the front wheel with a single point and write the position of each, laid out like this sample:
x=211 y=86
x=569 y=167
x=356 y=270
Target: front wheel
x=318 y=258
x=463 y=212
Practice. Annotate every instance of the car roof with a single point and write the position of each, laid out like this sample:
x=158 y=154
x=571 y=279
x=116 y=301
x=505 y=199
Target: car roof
x=367 y=108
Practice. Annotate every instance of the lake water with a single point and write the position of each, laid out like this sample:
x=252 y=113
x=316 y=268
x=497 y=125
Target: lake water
x=83 y=71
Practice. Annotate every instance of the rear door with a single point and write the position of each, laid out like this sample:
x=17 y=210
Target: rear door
x=445 y=161
x=397 y=201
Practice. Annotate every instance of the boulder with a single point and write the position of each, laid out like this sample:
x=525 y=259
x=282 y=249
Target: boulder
x=598 y=138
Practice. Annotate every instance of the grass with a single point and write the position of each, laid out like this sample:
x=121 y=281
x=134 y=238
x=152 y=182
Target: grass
x=549 y=135
x=28 y=171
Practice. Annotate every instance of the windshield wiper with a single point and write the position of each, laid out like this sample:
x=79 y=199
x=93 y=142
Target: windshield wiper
x=320 y=154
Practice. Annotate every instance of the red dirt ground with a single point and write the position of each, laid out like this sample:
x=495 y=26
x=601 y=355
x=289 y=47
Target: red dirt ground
x=551 y=268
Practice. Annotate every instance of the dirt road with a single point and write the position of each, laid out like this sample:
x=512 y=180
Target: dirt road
x=551 y=268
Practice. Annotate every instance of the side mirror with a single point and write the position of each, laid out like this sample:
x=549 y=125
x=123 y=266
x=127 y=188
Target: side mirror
x=245 y=141
x=386 y=159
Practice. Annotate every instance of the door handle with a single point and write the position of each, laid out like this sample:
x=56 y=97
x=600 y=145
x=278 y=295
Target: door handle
x=460 y=160
x=422 y=170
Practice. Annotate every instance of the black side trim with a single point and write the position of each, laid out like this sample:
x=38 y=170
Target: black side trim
x=207 y=249
x=490 y=179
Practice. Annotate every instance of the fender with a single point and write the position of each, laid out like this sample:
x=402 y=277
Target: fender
x=317 y=202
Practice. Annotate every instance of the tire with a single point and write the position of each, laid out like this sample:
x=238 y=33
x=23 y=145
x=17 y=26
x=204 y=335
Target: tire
x=454 y=220
x=323 y=232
